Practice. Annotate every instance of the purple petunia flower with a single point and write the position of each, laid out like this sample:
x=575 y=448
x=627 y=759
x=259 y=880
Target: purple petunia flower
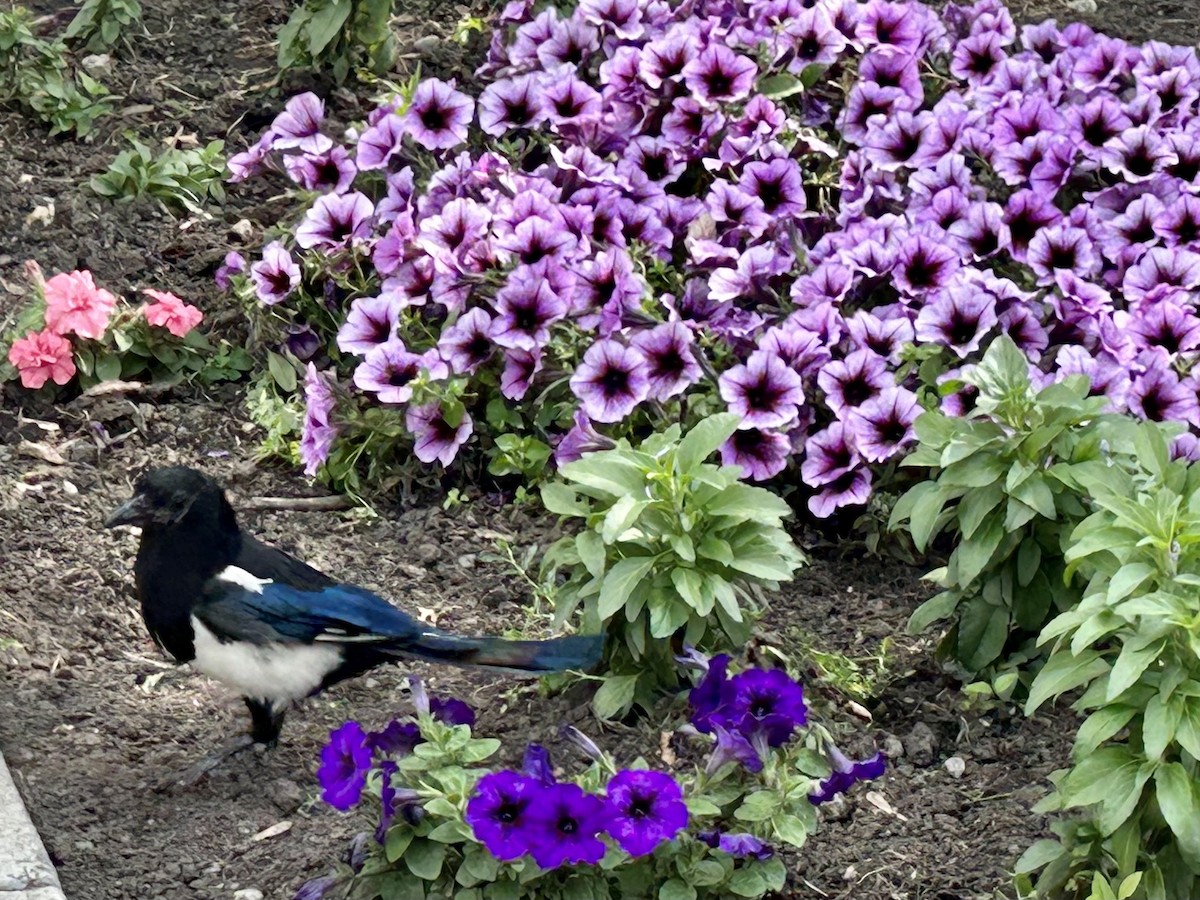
x=711 y=695
x=438 y=116
x=768 y=703
x=851 y=488
x=520 y=367
x=645 y=809
x=467 y=344
x=335 y=220
x=379 y=143
x=582 y=438
x=434 y=436
x=276 y=275
x=851 y=382
x=512 y=103
x=761 y=454
x=611 y=380
x=500 y=813
x=452 y=711
x=394 y=800
x=732 y=747
x=671 y=367
x=527 y=307
x=388 y=370
x=828 y=455
x=959 y=318
x=332 y=170
x=739 y=846
x=234 y=264
x=536 y=765
x=345 y=761
x=883 y=425
x=764 y=391
x=719 y=75
x=299 y=125
x=251 y=161
x=846 y=773
x=777 y=184
x=565 y=823
x=318 y=432
x=396 y=739
x=316 y=888
x=1159 y=396
x=924 y=265
x=370 y=322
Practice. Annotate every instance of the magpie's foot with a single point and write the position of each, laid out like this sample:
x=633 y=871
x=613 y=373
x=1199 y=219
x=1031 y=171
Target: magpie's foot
x=214 y=760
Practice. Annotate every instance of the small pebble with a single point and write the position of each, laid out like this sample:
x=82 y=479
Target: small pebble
x=955 y=766
x=893 y=748
x=248 y=894
x=920 y=745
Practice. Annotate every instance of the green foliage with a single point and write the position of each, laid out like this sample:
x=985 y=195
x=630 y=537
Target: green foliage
x=1002 y=484
x=37 y=75
x=182 y=179
x=1133 y=646
x=339 y=36
x=279 y=415
x=100 y=23
x=674 y=551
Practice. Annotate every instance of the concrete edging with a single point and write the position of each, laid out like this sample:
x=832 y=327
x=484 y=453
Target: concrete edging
x=26 y=872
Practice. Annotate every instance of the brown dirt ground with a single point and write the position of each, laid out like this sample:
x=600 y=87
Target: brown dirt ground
x=90 y=717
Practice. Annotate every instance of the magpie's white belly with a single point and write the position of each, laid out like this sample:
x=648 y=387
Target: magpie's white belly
x=277 y=672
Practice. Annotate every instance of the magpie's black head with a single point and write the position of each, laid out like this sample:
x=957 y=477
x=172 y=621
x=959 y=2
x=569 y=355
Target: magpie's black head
x=164 y=497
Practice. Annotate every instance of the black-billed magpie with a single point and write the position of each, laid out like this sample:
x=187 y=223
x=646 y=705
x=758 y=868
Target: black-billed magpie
x=272 y=627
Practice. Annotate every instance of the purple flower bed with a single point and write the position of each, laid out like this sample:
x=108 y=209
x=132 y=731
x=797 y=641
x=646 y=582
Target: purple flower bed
x=814 y=214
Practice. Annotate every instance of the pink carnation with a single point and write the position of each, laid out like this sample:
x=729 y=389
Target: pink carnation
x=171 y=313
x=41 y=356
x=75 y=305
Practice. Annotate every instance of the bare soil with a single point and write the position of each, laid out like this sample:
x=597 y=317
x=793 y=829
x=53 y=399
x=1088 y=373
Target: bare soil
x=91 y=717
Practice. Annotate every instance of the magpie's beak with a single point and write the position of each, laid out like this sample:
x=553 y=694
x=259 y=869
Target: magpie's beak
x=132 y=512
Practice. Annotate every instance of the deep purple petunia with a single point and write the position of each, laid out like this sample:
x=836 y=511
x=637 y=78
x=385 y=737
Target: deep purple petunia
x=335 y=220
x=851 y=382
x=467 y=344
x=671 y=366
x=234 y=264
x=396 y=739
x=389 y=369
x=846 y=773
x=739 y=846
x=761 y=454
x=345 y=761
x=500 y=813
x=904 y=140
x=611 y=380
x=434 y=436
x=438 y=116
x=883 y=425
x=732 y=746
x=778 y=184
x=982 y=232
x=536 y=765
x=452 y=711
x=565 y=823
x=924 y=265
x=645 y=809
x=768 y=702
x=371 y=321
x=316 y=888
x=393 y=800
x=851 y=488
x=318 y=431
x=299 y=125
x=710 y=698
x=512 y=103
x=1178 y=224
x=828 y=455
x=276 y=275
x=332 y=170
x=764 y=391
x=1138 y=153
x=527 y=306
x=719 y=75
x=959 y=318
x=582 y=438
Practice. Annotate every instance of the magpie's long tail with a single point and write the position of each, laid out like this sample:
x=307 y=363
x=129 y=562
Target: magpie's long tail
x=574 y=652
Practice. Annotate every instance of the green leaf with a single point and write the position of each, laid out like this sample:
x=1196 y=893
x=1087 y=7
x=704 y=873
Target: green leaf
x=108 y=368
x=704 y=439
x=974 y=556
x=676 y=889
x=1133 y=660
x=982 y=633
x=1100 y=726
x=1064 y=672
x=1187 y=732
x=938 y=607
x=562 y=501
x=1159 y=723
x=1111 y=777
x=758 y=807
x=619 y=582
x=424 y=858
x=282 y=371
x=450 y=833
x=609 y=471
x=700 y=806
x=615 y=695
x=591 y=550
x=780 y=86
x=1035 y=493
x=716 y=549
x=1176 y=794
x=747 y=881
x=396 y=843
x=791 y=830
x=1041 y=854
x=690 y=585
x=620 y=517
x=325 y=24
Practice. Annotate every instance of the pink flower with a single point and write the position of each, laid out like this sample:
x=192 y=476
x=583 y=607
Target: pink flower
x=75 y=304
x=171 y=313
x=41 y=356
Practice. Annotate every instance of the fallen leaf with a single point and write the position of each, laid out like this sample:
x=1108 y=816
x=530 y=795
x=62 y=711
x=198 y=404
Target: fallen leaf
x=274 y=831
x=44 y=452
x=880 y=802
x=857 y=709
x=665 y=753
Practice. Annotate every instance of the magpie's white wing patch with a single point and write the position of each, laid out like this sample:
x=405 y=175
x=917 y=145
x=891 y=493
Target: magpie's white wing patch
x=279 y=672
x=243 y=579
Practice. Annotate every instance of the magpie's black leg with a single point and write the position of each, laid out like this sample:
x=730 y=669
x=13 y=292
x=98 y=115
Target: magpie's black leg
x=265 y=724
